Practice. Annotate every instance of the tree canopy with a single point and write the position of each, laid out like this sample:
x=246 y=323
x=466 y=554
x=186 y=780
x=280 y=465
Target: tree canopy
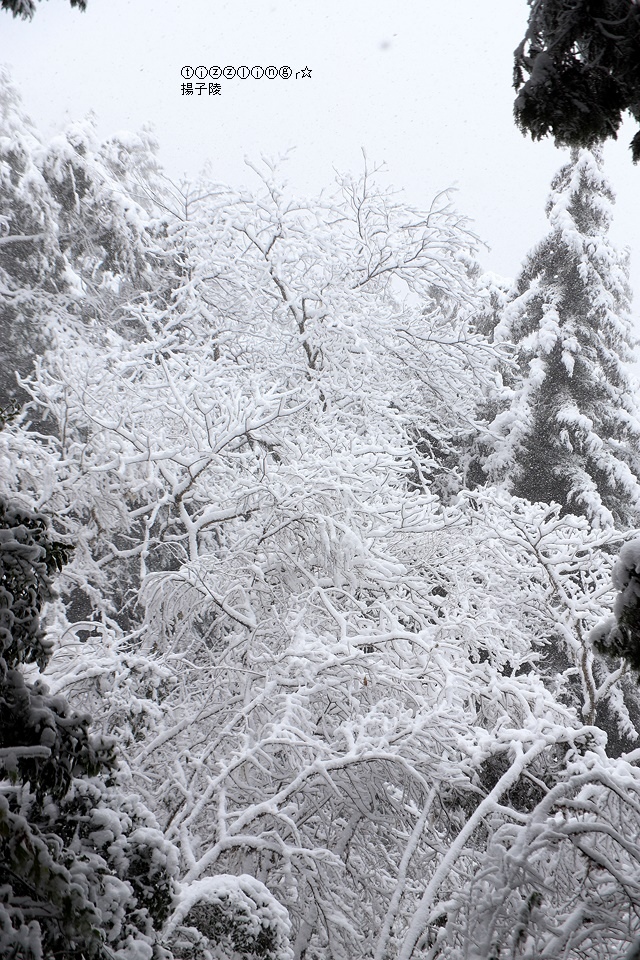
x=577 y=71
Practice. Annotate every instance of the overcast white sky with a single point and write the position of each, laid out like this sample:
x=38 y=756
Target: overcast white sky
x=423 y=86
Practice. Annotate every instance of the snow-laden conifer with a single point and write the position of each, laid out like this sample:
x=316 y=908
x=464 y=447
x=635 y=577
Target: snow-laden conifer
x=569 y=431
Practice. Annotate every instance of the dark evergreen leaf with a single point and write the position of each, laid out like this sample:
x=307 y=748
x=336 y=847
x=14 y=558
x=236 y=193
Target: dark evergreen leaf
x=578 y=70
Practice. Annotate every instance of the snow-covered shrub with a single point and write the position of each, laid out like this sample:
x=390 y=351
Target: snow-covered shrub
x=223 y=916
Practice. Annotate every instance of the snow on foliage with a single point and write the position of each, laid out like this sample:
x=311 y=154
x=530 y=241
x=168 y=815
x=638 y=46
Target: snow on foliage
x=572 y=431
x=359 y=698
x=618 y=635
x=75 y=233
x=575 y=839
x=248 y=461
x=231 y=914
x=84 y=870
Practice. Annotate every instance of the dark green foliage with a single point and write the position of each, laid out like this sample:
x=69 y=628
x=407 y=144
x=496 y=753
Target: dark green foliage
x=42 y=746
x=238 y=916
x=620 y=636
x=42 y=742
x=151 y=881
x=42 y=908
x=28 y=558
x=27 y=8
x=81 y=865
x=232 y=926
x=578 y=70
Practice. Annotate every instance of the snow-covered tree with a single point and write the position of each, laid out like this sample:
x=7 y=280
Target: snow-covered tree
x=84 y=871
x=226 y=916
x=562 y=880
x=76 y=238
x=278 y=306
x=32 y=267
x=569 y=430
x=249 y=491
x=325 y=680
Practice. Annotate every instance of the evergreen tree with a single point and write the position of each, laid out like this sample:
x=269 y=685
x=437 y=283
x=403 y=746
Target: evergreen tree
x=76 y=236
x=570 y=432
x=84 y=873
x=33 y=280
x=583 y=65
